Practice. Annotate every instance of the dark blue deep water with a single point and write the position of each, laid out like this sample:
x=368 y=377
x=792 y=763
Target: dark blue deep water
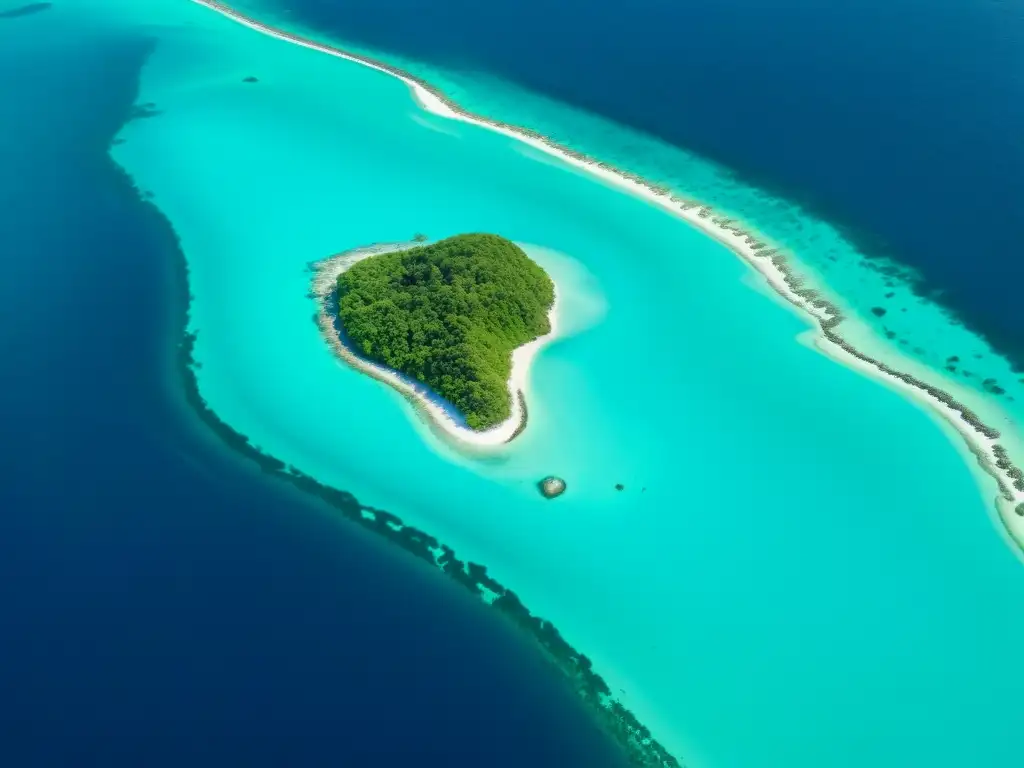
x=162 y=601
x=875 y=114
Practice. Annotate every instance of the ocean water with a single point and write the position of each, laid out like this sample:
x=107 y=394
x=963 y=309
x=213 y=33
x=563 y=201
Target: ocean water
x=878 y=115
x=804 y=568
x=853 y=186
x=163 y=602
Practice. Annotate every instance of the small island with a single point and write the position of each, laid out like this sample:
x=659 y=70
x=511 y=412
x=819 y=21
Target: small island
x=449 y=315
x=452 y=325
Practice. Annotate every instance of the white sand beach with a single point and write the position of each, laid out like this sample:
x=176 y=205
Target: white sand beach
x=439 y=415
x=776 y=269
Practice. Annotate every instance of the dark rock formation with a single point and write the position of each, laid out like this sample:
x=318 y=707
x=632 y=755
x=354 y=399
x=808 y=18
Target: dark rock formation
x=142 y=111
x=249 y=79
x=992 y=387
x=552 y=486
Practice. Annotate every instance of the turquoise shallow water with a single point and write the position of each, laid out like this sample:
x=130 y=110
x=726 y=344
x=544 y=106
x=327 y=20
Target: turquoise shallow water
x=919 y=326
x=802 y=570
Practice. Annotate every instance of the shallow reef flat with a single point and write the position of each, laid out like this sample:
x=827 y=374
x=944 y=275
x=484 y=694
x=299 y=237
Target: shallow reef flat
x=793 y=549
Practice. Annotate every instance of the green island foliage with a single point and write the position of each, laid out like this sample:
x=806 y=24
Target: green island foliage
x=449 y=315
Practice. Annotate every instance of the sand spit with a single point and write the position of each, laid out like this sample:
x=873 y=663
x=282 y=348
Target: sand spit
x=436 y=412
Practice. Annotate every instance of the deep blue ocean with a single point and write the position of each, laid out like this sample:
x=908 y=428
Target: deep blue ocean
x=878 y=115
x=163 y=602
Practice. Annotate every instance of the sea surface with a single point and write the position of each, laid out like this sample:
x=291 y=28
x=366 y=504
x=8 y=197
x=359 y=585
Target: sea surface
x=804 y=568
x=162 y=601
x=896 y=120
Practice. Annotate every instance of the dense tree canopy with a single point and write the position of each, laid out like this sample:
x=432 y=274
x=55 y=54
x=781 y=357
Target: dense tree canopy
x=449 y=315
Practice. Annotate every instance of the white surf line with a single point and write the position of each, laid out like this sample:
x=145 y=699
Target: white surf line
x=768 y=262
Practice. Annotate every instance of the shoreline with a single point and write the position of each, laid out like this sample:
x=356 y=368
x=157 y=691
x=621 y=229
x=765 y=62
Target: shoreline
x=769 y=262
x=436 y=412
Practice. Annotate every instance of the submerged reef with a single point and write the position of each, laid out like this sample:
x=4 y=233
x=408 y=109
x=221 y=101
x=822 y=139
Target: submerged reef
x=552 y=486
x=641 y=748
x=142 y=111
x=25 y=10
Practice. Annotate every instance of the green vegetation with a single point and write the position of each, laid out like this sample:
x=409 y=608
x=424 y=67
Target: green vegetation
x=449 y=315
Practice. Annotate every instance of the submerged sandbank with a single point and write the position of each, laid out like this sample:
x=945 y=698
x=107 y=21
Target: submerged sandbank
x=439 y=415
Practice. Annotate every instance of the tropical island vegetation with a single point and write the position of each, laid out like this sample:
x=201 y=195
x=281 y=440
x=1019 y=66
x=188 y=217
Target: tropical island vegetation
x=449 y=315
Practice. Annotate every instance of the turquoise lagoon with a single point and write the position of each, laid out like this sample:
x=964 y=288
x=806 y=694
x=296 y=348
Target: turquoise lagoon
x=804 y=568
x=921 y=329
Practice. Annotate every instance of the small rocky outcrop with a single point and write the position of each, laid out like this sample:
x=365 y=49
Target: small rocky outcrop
x=619 y=487
x=551 y=486
x=250 y=79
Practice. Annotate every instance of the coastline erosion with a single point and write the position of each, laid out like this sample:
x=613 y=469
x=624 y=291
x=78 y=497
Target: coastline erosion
x=437 y=413
x=777 y=269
